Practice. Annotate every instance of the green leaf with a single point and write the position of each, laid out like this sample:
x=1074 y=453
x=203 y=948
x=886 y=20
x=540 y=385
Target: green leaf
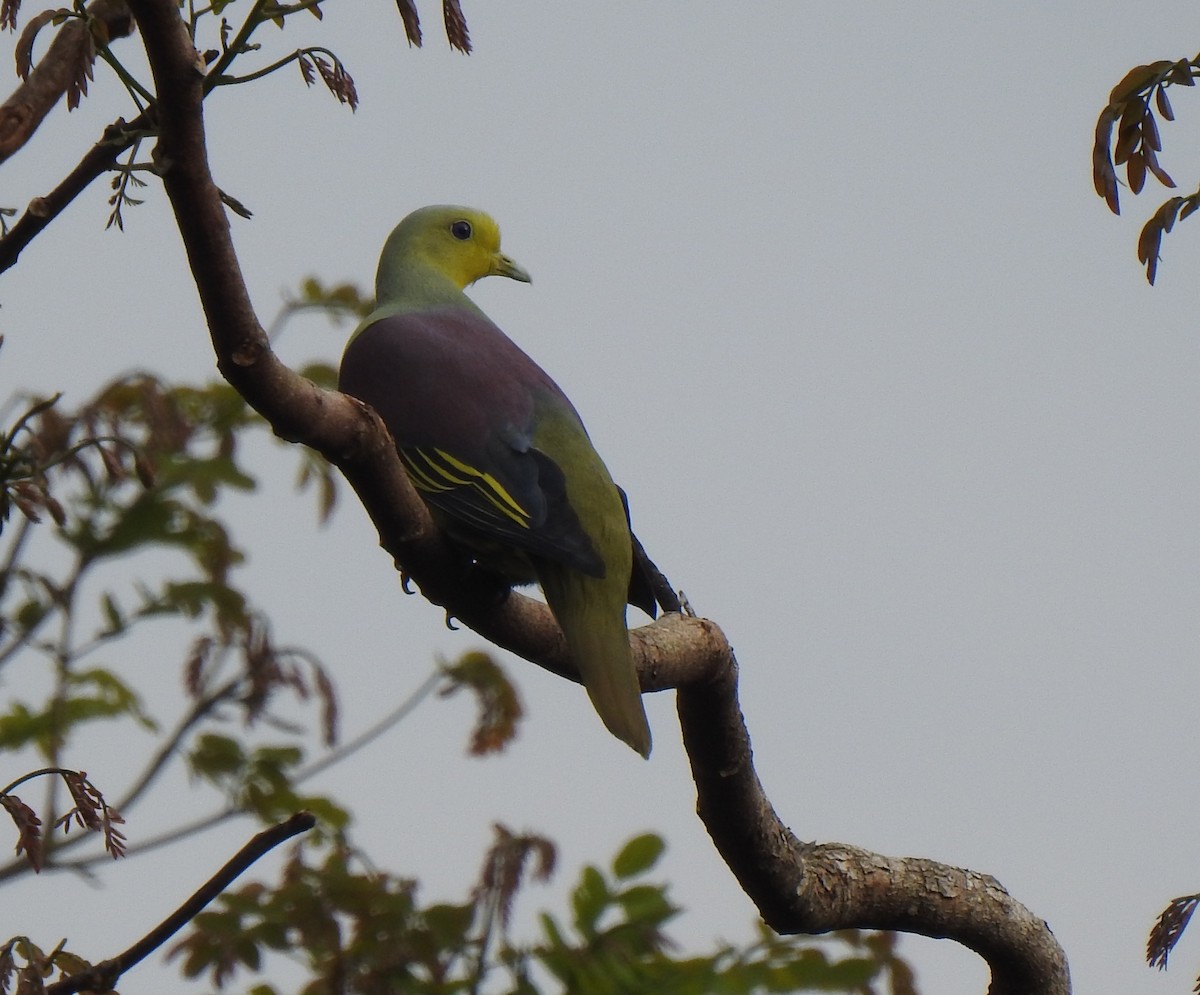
x=638 y=855
x=112 y=614
x=646 y=905
x=216 y=758
x=589 y=900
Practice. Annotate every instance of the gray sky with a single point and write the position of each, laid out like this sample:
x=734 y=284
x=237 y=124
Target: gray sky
x=884 y=381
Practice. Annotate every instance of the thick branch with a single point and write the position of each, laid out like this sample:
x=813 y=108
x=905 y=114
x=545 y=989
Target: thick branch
x=798 y=887
x=104 y=976
x=815 y=888
x=29 y=104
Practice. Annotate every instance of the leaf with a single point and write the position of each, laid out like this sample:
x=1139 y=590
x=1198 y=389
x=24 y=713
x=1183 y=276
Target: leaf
x=1135 y=171
x=8 y=19
x=1159 y=173
x=1150 y=134
x=1136 y=80
x=646 y=905
x=456 y=26
x=29 y=835
x=1168 y=929
x=112 y=614
x=1164 y=105
x=1129 y=131
x=1104 y=175
x=412 y=21
x=589 y=899
x=83 y=69
x=24 y=49
x=216 y=758
x=235 y=205
x=1182 y=73
x=499 y=707
x=337 y=80
x=1163 y=220
x=638 y=855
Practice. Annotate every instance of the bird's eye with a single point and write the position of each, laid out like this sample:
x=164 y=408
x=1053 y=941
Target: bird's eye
x=461 y=230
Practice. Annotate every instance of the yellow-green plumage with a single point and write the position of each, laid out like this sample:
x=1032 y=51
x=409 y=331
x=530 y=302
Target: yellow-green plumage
x=496 y=448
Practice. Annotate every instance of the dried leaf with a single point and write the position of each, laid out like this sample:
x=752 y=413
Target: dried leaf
x=30 y=980
x=1182 y=73
x=504 y=868
x=83 y=72
x=24 y=49
x=29 y=834
x=327 y=694
x=1104 y=176
x=196 y=664
x=1164 y=105
x=1136 y=80
x=112 y=463
x=1129 y=131
x=337 y=80
x=412 y=21
x=1150 y=134
x=114 y=839
x=144 y=469
x=1168 y=929
x=52 y=505
x=456 y=26
x=1150 y=240
x=88 y=801
x=8 y=14
x=1159 y=173
x=1135 y=172
x=499 y=707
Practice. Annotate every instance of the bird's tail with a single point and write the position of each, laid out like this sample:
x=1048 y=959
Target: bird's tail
x=594 y=626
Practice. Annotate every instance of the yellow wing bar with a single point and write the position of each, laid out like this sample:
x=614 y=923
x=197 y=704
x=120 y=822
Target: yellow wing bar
x=437 y=471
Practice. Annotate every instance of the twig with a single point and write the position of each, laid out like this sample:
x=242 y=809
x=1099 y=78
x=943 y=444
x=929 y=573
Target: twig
x=117 y=137
x=84 y=865
x=104 y=976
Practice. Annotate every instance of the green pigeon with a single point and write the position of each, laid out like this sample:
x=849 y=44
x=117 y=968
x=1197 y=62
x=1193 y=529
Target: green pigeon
x=496 y=449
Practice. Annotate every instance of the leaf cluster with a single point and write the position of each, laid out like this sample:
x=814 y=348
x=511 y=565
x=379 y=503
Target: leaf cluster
x=138 y=471
x=367 y=932
x=452 y=16
x=499 y=708
x=31 y=967
x=1127 y=134
x=90 y=812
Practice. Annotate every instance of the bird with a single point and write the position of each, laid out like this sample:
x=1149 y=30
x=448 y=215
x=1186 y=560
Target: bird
x=497 y=451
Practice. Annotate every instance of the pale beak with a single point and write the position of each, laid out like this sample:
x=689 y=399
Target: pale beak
x=502 y=265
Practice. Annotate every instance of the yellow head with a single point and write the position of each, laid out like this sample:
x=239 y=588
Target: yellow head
x=441 y=243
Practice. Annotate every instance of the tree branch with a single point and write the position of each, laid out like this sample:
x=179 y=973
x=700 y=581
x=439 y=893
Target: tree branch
x=29 y=104
x=101 y=157
x=798 y=887
x=103 y=977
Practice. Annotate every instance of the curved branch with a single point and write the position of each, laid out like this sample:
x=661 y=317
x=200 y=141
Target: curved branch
x=798 y=887
x=24 y=111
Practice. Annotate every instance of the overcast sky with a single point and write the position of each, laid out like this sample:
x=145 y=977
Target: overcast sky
x=883 y=379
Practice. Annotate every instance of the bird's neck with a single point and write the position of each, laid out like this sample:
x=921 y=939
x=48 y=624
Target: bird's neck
x=415 y=286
